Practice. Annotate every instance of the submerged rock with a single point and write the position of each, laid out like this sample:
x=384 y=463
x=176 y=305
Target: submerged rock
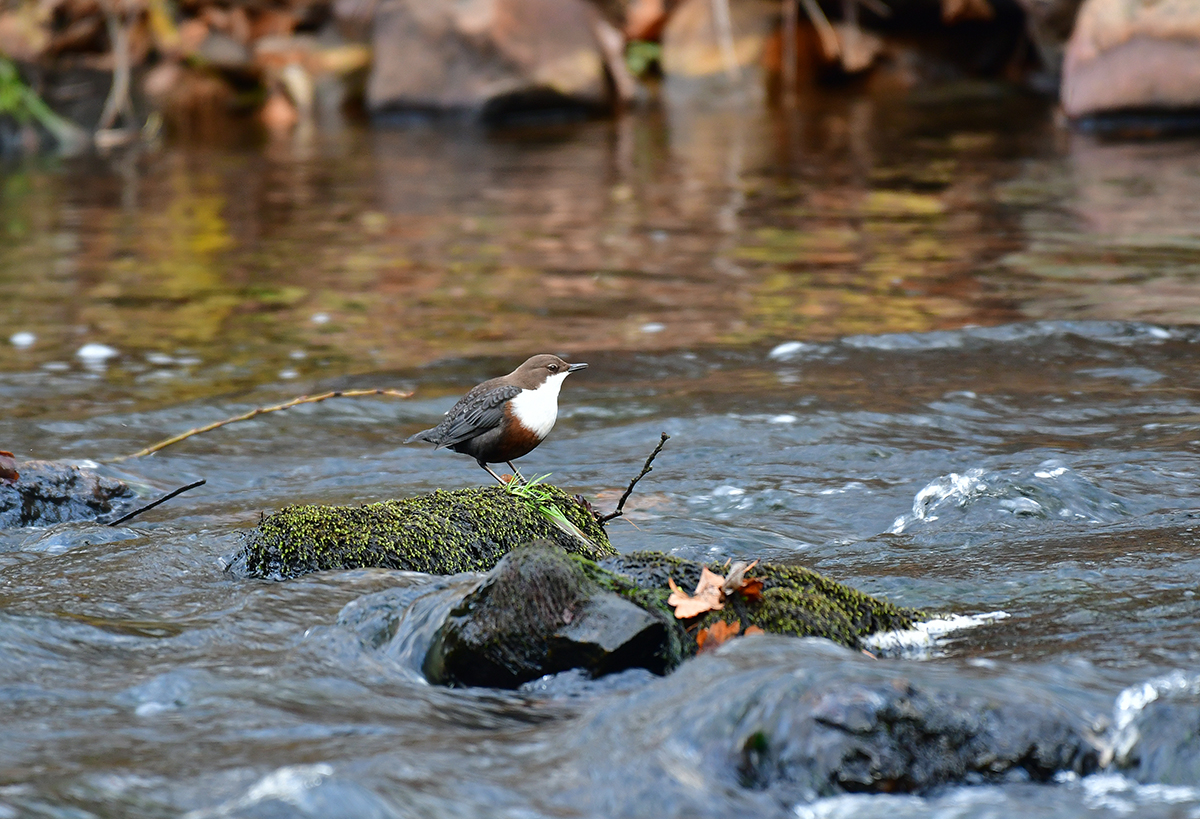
x=45 y=493
x=796 y=720
x=439 y=533
x=542 y=611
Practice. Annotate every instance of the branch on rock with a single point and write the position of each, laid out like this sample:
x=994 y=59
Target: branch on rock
x=161 y=500
x=646 y=469
x=295 y=402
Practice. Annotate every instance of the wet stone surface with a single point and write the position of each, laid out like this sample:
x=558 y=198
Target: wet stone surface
x=46 y=493
x=795 y=721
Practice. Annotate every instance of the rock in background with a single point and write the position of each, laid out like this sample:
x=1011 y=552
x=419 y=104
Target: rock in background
x=41 y=493
x=1133 y=54
x=487 y=56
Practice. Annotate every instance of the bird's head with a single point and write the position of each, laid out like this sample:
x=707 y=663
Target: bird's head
x=541 y=368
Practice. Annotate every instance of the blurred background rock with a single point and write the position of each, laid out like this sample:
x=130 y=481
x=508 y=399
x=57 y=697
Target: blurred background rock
x=116 y=68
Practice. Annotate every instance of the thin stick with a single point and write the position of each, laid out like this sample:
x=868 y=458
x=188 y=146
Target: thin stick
x=647 y=468
x=295 y=402
x=829 y=39
x=118 y=101
x=791 y=14
x=723 y=28
x=163 y=499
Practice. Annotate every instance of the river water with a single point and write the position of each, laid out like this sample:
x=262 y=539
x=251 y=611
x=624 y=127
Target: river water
x=932 y=346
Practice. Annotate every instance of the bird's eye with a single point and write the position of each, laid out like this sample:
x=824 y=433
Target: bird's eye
x=552 y=368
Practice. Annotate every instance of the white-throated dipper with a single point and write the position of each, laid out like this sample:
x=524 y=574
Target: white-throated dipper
x=504 y=418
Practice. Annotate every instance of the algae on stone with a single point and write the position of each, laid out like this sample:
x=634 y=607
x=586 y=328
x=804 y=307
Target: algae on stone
x=542 y=611
x=439 y=533
x=795 y=601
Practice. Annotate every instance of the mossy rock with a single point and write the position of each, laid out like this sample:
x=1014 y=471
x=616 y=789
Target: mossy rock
x=795 y=601
x=439 y=533
x=541 y=611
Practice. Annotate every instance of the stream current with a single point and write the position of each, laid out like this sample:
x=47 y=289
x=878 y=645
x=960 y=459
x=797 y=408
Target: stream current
x=948 y=362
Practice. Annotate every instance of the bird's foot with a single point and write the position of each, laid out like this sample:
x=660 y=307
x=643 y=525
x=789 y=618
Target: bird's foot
x=516 y=473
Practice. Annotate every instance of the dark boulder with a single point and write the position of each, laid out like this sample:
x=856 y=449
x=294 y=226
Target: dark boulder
x=46 y=492
x=797 y=720
x=541 y=611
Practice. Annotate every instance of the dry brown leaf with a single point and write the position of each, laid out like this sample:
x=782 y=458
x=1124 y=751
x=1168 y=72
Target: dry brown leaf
x=751 y=631
x=8 y=467
x=751 y=589
x=719 y=632
x=737 y=572
x=736 y=581
x=706 y=597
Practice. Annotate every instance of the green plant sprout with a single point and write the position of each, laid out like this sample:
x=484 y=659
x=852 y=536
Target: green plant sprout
x=19 y=101
x=541 y=500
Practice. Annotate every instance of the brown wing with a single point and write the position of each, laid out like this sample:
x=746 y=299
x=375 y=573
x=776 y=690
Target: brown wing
x=476 y=412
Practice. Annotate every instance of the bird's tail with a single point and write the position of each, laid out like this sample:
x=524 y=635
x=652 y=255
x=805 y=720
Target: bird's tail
x=423 y=435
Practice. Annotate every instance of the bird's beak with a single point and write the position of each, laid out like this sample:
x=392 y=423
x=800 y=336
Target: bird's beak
x=573 y=367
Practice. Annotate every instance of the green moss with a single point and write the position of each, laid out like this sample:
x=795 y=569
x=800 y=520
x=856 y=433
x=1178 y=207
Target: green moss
x=439 y=533
x=795 y=601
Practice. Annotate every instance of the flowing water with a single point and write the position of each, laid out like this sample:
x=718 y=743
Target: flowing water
x=930 y=346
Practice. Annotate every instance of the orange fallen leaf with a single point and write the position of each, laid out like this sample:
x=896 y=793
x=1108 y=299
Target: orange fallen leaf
x=708 y=596
x=751 y=589
x=719 y=632
x=751 y=631
x=8 y=467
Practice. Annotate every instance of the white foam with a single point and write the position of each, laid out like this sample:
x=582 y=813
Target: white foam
x=95 y=353
x=22 y=340
x=1122 y=795
x=1132 y=700
x=287 y=784
x=787 y=349
x=923 y=639
x=960 y=488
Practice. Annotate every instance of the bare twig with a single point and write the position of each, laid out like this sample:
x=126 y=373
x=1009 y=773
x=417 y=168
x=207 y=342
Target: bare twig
x=295 y=402
x=789 y=57
x=646 y=469
x=723 y=27
x=118 y=101
x=828 y=37
x=163 y=499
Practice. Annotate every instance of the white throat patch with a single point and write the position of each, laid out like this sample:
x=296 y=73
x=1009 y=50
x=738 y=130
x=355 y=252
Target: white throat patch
x=537 y=410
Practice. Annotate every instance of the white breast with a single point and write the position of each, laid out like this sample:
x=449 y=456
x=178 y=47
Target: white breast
x=537 y=410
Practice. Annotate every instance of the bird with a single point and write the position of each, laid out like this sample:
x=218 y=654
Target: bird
x=504 y=418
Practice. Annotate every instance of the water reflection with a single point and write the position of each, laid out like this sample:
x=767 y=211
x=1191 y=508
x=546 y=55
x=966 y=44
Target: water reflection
x=388 y=249
x=655 y=231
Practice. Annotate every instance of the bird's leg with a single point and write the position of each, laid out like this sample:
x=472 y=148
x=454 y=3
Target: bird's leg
x=490 y=472
x=519 y=476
